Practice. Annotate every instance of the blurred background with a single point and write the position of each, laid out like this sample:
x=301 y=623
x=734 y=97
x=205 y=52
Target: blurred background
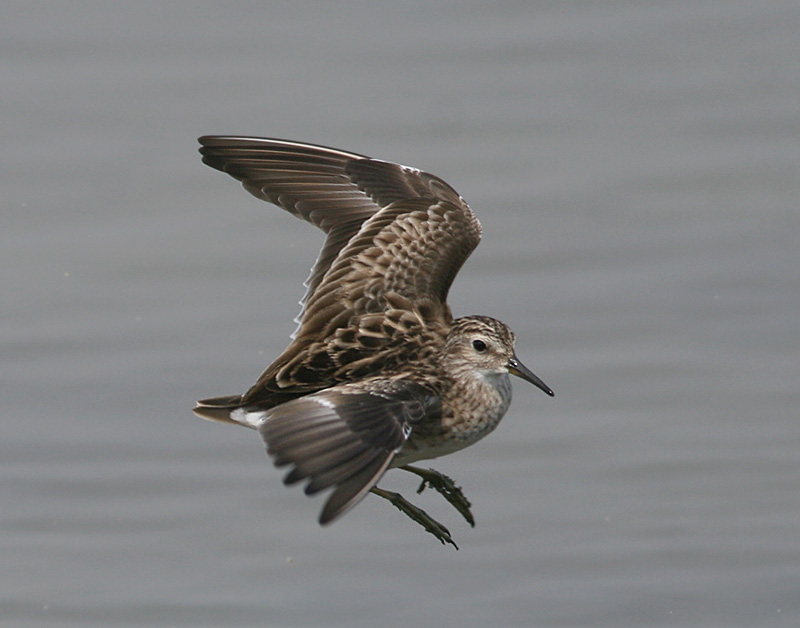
x=635 y=167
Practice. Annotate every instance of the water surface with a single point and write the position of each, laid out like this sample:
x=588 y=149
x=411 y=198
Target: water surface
x=635 y=167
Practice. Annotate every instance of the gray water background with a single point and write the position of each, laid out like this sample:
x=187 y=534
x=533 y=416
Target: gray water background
x=635 y=166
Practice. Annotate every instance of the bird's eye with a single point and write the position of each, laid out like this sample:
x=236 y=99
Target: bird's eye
x=479 y=346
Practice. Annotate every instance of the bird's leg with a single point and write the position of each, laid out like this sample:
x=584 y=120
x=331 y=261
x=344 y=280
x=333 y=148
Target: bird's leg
x=416 y=514
x=445 y=486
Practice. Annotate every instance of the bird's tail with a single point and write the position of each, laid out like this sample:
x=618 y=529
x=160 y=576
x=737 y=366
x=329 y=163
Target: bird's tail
x=229 y=409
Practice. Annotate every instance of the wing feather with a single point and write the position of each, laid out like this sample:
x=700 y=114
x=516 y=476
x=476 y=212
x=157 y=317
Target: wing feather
x=344 y=437
x=348 y=195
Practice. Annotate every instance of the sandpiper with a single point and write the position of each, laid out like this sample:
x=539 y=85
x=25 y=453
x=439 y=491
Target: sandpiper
x=378 y=374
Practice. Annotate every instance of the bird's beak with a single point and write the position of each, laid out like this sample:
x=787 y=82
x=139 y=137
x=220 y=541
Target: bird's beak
x=515 y=367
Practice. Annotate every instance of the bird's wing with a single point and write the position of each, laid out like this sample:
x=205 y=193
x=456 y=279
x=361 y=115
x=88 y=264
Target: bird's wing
x=390 y=228
x=344 y=437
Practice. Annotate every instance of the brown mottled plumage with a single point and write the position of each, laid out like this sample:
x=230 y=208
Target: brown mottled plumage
x=378 y=374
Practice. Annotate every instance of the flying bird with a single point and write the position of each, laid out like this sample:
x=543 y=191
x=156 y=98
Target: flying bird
x=378 y=374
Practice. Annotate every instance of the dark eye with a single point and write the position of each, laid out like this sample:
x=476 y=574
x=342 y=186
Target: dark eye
x=479 y=346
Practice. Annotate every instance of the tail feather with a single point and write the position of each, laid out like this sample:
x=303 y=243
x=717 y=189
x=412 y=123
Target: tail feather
x=221 y=409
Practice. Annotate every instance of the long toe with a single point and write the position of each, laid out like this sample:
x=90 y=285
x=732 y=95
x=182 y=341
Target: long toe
x=416 y=514
x=445 y=486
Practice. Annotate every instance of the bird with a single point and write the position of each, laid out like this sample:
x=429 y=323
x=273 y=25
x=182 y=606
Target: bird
x=378 y=374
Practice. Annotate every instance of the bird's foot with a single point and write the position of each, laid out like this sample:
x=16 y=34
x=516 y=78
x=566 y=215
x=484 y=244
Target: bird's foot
x=446 y=487
x=416 y=514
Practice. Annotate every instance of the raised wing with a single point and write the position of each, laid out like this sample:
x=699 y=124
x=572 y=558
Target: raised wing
x=332 y=189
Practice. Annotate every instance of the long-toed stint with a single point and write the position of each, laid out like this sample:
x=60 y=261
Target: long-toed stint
x=378 y=374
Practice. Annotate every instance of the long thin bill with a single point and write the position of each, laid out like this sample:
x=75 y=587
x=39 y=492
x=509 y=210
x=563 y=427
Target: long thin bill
x=515 y=367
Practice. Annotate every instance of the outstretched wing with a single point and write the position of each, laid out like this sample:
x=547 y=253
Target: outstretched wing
x=389 y=228
x=344 y=437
